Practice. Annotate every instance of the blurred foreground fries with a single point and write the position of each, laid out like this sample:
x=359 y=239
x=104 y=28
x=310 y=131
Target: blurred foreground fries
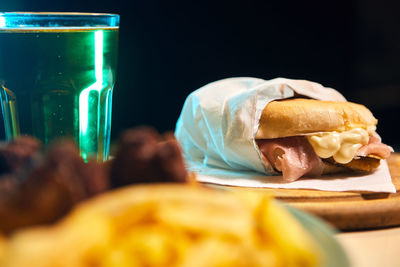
x=166 y=225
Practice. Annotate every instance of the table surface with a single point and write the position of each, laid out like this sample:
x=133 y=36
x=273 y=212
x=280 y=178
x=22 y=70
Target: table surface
x=372 y=248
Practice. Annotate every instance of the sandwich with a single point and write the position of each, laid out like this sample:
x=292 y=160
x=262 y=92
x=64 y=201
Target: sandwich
x=307 y=137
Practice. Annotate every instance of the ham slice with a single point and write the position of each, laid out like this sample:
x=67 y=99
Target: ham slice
x=293 y=156
x=375 y=148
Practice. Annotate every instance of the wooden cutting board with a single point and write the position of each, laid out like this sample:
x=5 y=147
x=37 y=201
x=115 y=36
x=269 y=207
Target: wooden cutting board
x=349 y=210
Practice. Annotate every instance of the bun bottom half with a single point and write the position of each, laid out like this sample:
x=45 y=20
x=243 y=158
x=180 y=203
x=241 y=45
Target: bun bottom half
x=363 y=164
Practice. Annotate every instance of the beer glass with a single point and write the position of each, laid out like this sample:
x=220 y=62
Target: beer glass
x=57 y=72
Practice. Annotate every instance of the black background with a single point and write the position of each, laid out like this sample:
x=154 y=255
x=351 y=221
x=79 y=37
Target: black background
x=170 y=48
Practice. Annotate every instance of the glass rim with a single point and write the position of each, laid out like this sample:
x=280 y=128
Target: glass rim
x=72 y=14
x=58 y=20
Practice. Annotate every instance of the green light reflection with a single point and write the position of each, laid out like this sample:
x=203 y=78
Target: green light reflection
x=2 y=21
x=86 y=113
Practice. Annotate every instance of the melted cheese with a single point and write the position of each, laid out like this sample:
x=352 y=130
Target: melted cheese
x=342 y=146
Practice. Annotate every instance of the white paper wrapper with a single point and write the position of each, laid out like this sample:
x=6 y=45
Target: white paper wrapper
x=218 y=123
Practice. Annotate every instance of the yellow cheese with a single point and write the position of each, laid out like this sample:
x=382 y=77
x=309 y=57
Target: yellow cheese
x=342 y=146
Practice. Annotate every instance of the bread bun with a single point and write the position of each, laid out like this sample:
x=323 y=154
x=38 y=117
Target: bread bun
x=366 y=164
x=304 y=116
x=333 y=168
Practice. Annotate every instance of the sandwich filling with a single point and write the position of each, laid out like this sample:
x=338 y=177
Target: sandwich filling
x=342 y=146
x=296 y=156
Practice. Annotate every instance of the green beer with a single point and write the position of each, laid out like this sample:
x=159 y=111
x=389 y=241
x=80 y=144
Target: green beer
x=58 y=82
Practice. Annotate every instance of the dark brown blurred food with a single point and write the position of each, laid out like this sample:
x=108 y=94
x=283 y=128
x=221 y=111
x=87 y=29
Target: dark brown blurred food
x=51 y=189
x=17 y=159
x=38 y=189
x=20 y=154
x=144 y=156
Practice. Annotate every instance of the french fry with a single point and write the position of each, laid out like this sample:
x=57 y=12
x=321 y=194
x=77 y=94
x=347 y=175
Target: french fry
x=167 y=225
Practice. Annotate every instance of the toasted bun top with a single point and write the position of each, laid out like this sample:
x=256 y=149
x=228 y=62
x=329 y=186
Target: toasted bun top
x=303 y=116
